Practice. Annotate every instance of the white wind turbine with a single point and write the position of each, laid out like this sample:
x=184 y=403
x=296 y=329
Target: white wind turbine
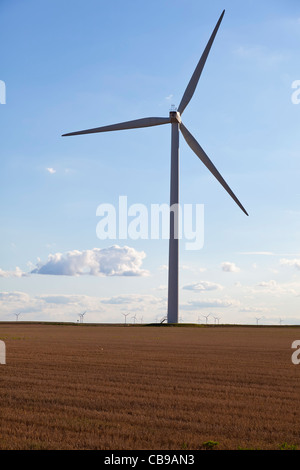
x=175 y=120
x=206 y=316
x=125 y=317
x=81 y=315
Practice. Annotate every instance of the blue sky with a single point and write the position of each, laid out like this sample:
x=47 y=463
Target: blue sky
x=69 y=66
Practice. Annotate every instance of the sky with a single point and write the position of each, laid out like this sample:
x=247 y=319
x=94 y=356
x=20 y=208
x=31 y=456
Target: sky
x=67 y=66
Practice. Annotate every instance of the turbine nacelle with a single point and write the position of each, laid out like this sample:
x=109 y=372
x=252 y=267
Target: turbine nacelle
x=175 y=117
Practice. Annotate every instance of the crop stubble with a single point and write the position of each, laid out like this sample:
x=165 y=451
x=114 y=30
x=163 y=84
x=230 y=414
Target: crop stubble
x=157 y=388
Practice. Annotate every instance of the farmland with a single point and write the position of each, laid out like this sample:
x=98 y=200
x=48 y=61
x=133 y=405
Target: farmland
x=145 y=387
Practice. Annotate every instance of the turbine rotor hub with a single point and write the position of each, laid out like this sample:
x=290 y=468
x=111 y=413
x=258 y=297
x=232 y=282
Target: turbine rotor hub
x=175 y=117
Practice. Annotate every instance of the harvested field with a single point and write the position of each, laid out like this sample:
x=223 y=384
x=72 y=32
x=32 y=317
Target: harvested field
x=157 y=388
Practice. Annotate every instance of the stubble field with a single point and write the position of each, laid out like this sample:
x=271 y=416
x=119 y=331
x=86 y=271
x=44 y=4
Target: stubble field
x=154 y=388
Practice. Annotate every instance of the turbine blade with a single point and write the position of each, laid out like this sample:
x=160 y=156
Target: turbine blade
x=145 y=122
x=198 y=70
x=191 y=141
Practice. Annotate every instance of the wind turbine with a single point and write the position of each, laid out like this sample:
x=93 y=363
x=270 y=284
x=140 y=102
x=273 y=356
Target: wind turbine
x=206 y=316
x=257 y=320
x=17 y=316
x=125 y=316
x=176 y=123
x=81 y=315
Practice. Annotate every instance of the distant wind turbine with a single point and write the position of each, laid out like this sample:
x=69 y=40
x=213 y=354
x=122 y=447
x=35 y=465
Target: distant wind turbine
x=257 y=320
x=206 y=316
x=125 y=317
x=17 y=316
x=175 y=120
x=81 y=315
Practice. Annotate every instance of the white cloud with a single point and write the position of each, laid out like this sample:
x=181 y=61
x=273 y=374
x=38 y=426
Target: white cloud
x=61 y=299
x=210 y=303
x=14 y=297
x=294 y=263
x=51 y=171
x=256 y=309
x=203 y=286
x=269 y=285
x=277 y=289
x=16 y=273
x=132 y=299
x=112 y=261
x=229 y=267
x=50 y=307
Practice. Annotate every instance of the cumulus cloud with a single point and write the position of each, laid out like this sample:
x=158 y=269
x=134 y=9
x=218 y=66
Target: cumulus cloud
x=203 y=286
x=229 y=267
x=51 y=171
x=14 y=296
x=270 y=285
x=16 y=273
x=294 y=263
x=112 y=261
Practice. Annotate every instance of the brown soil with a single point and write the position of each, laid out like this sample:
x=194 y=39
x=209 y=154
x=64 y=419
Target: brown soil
x=157 y=388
